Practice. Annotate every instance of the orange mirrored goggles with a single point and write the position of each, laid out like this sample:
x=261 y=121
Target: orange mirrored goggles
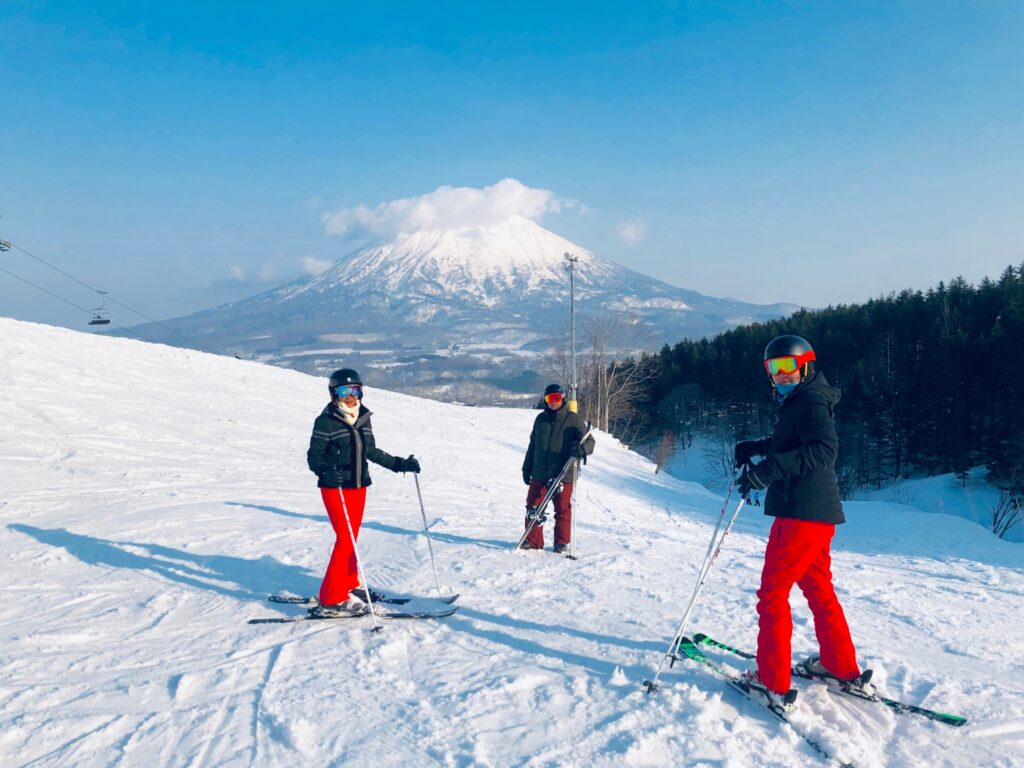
x=555 y=398
x=788 y=364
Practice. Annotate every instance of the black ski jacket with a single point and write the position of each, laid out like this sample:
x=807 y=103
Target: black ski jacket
x=338 y=452
x=801 y=456
x=554 y=433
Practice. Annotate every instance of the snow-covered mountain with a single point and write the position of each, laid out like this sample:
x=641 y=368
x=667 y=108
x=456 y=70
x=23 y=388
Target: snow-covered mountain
x=153 y=497
x=433 y=309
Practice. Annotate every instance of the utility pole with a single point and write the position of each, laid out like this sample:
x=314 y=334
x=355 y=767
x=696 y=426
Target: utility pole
x=571 y=266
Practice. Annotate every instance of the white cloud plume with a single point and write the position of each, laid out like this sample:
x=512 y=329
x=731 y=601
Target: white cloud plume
x=237 y=273
x=311 y=265
x=631 y=232
x=446 y=208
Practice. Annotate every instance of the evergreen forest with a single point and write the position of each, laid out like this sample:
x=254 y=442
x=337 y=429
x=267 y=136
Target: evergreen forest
x=932 y=382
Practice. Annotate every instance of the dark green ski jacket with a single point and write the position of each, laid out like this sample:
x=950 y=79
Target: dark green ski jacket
x=554 y=433
x=338 y=452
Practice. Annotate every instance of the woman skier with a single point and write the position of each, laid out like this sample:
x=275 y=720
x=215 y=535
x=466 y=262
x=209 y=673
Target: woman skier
x=339 y=448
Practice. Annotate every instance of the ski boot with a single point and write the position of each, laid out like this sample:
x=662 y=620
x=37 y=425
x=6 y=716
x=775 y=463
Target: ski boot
x=777 y=702
x=351 y=607
x=812 y=668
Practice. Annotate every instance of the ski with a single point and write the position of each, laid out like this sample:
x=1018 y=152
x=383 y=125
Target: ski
x=690 y=651
x=836 y=685
x=380 y=614
x=386 y=599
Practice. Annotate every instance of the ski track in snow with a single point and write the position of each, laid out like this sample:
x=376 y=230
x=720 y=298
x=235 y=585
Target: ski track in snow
x=153 y=498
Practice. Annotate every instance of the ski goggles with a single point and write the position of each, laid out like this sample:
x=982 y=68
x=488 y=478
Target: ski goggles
x=348 y=390
x=788 y=364
x=555 y=398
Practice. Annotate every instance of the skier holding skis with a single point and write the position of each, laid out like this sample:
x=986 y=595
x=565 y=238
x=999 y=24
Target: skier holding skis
x=556 y=436
x=339 y=448
x=803 y=496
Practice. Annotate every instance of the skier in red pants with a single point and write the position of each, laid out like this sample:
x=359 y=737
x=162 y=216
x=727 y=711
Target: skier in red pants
x=803 y=497
x=555 y=437
x=339 y=448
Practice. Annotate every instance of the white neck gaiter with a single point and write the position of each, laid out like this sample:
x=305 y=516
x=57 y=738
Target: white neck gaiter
x=349 y=414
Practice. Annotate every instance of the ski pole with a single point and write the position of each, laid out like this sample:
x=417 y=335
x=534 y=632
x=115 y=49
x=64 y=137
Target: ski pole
x=572 y=501
x=359 y=563
x=430 y=546
x=709 y=559
x=572 y=506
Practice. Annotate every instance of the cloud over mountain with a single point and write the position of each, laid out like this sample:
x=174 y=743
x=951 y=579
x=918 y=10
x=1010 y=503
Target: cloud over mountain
x=446 y=208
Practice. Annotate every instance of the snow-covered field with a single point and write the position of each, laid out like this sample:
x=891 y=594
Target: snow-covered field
x=153 y=497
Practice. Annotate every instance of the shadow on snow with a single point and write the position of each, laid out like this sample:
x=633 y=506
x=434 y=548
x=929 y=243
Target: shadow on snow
x=237 y=577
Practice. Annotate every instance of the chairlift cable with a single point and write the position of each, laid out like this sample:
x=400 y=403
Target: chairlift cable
x=115 y=301
x=68 y=301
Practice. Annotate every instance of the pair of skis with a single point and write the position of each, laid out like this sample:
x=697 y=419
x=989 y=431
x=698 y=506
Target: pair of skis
x=692 y=650
x=384 y=611
x=383 y=607
x=689 y=649
x=839 y=686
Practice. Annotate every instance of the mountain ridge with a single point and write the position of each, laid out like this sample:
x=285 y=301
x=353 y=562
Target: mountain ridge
x=477 y=302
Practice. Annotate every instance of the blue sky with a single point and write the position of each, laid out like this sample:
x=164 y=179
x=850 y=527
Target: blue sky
x=185 y=155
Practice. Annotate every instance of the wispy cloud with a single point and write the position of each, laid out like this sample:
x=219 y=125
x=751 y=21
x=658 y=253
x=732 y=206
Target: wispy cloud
x=311 y=265
x=276 y=269
x=631 y=232
x=446 y=208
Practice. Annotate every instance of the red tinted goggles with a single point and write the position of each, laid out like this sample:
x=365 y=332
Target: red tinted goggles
x=555 y=398
x=788 y=364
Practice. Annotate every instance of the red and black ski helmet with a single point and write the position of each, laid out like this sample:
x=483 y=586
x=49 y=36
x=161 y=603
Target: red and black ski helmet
x=796 y=347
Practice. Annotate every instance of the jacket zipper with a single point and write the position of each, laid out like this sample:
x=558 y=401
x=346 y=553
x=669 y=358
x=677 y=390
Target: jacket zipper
x=358 y=457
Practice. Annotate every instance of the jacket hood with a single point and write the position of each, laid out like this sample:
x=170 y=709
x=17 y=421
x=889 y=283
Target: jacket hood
x=819 y=385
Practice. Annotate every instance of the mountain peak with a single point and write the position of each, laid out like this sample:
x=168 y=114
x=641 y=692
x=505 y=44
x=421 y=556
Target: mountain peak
x=515 y=254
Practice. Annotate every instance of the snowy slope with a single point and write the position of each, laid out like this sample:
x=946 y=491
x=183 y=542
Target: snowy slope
x=152 y=497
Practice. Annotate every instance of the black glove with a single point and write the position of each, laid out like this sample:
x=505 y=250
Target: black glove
x=408 y=465
x=526 y=476
x=744 y=451
x=577 y=450
x=752 y=479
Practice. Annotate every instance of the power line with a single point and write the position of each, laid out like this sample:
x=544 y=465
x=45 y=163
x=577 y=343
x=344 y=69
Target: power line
x=10 y=245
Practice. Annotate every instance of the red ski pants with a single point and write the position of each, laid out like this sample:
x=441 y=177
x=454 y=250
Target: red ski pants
x=562 y=503
x=342 y=574
x=799 y=553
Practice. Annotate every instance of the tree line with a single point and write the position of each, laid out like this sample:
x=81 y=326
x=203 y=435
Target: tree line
x=932 y=382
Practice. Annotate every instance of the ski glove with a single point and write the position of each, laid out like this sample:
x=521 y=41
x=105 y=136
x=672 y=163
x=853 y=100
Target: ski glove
x=752 y=479
x=578 y=451
x=744 y=451
x=408 y=465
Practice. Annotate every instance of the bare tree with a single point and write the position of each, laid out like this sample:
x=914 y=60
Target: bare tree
x=1006 y=514
x=615 y=374
x=665 y=451
x=611 y=372
x=718 y=453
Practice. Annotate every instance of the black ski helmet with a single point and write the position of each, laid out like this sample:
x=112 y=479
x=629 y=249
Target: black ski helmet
x=789 y=345
x=343 y=376
x=552 y=388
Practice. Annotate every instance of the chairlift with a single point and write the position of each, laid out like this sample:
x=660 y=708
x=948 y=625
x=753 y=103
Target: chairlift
x=100 y=316
x=5 y=246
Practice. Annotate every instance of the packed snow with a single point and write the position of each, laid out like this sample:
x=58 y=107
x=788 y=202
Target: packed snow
x=153 y=497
